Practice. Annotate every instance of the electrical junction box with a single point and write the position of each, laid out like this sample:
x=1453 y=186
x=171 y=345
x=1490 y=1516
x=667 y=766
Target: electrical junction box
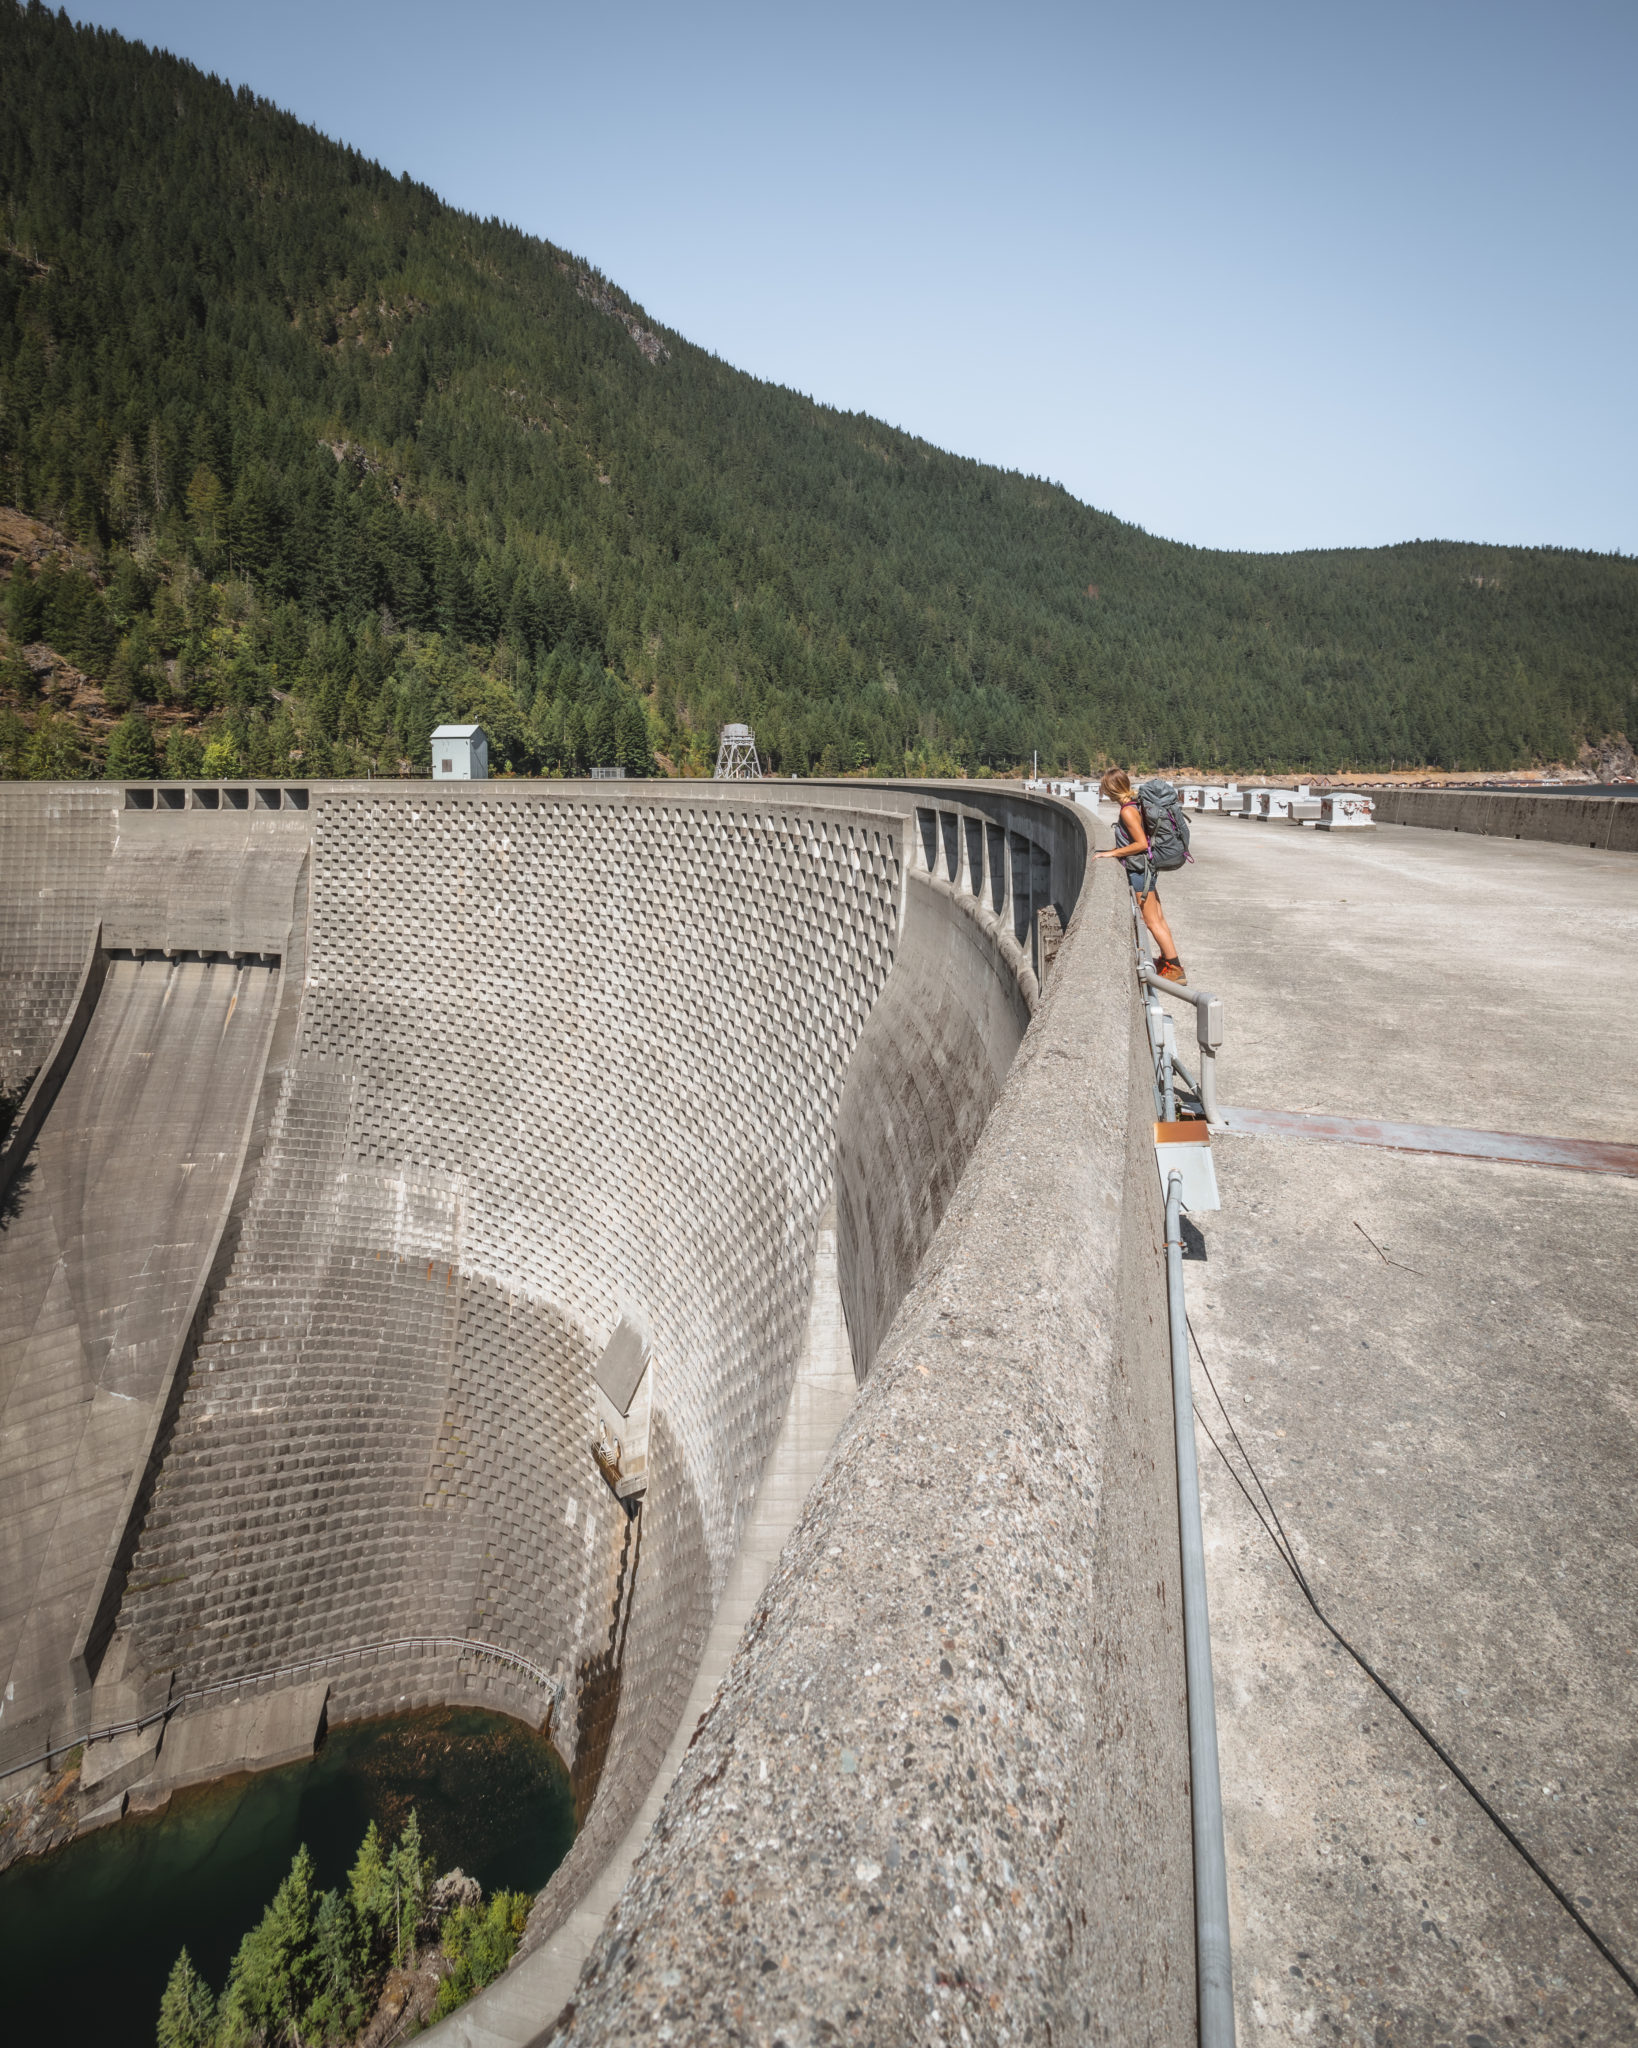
x=1185 y=1148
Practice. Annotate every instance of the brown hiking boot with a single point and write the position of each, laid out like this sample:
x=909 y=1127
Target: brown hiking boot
x=1172 y=970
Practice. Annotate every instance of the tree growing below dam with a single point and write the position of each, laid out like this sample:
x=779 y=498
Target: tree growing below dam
x=319 y=1965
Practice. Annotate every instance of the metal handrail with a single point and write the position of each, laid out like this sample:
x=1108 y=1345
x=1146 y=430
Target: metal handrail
x=1211 y=1926
x=1208 y=1029
x=203 y=1692
x=1186 y=1077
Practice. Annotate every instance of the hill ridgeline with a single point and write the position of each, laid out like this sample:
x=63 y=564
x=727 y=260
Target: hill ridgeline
x=296 y=461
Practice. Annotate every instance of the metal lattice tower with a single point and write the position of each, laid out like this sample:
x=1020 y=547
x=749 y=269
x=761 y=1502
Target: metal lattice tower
x=736 y=755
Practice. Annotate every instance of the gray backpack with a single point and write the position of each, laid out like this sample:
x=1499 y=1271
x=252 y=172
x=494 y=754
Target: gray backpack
x=1165 y=824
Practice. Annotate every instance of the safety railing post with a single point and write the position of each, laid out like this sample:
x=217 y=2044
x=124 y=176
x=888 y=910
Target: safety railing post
x=1208 y=1029
x=1168 y=1063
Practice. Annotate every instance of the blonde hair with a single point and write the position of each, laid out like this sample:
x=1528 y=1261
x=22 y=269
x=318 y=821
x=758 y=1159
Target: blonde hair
x=1118 y=784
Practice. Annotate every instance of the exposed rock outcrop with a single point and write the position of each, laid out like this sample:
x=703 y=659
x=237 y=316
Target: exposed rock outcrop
x=597 y=293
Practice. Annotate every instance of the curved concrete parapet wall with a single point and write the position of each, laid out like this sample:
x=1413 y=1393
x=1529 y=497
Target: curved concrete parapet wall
x=991 y=880
x=944 y=1793
x=566 y=1054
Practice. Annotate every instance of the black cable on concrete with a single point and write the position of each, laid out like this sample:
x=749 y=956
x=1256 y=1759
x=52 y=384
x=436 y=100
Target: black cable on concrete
x=1282 y=1543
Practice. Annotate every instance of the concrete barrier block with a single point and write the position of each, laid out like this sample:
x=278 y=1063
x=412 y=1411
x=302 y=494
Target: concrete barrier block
x=1342 y=810
x=102 y=1815
x=119 y=1763
x=242 y=1735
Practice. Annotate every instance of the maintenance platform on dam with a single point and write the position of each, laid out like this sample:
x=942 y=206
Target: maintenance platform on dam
x=1431 y=1363
x=361 y=1115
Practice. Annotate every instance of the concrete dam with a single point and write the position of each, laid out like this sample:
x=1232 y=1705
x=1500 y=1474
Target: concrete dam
x=360 y=1124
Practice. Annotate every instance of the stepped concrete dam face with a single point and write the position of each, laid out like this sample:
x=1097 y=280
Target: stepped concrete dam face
x=371 y=1138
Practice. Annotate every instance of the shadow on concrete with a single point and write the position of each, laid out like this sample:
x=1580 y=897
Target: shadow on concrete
x=11 y=1202
x=11 y=1105
x=600 y=1679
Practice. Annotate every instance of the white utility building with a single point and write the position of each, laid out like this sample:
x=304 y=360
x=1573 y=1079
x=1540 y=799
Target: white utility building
x=460 y=753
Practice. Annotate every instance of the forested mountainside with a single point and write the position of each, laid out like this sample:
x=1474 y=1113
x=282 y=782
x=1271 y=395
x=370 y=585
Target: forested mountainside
x=298 y=461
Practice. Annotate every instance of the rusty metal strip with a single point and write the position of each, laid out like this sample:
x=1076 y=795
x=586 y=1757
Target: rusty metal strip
x=1577 y=1155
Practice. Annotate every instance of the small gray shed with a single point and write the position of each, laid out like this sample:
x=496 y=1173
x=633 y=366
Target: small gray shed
x=460 y=753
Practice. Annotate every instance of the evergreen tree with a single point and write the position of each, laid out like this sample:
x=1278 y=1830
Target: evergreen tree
x=410 y=1872
x=342 y=1977
x=479 y=1942
x=273 y=1978
x=16 y=677
x=632 y=750
x=311 y=1970
x=574 y=741
x=131 y=750
x=184 y=756
x=222 y=762
x=53 y=751
x=14 y=744
x=602 y=734
x=371 y=1893
x=25 y=606
x=187 y=2012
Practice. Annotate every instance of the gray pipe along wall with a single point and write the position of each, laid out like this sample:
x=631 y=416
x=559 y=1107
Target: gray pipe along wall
x=423 y=1088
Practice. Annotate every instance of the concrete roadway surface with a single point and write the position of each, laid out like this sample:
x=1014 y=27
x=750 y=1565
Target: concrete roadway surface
x=1446 y=1419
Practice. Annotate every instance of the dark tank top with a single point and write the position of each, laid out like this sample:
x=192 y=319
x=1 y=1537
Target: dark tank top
x=1137 y=869
x=1123 y=836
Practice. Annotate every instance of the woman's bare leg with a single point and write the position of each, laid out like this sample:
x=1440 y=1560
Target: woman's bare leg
x=1155 y=918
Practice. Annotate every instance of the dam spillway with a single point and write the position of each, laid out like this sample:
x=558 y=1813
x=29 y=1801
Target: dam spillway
x=530 y=1060
x=94 y=1299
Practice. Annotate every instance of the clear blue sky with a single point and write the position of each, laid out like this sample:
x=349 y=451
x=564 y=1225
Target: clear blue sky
x=1273 y=275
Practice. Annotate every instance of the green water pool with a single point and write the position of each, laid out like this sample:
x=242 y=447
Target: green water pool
x=88 y=1934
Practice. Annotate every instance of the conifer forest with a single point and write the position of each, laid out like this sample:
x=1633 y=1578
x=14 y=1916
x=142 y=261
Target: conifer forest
x=312 y=1971
x=297 y=461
